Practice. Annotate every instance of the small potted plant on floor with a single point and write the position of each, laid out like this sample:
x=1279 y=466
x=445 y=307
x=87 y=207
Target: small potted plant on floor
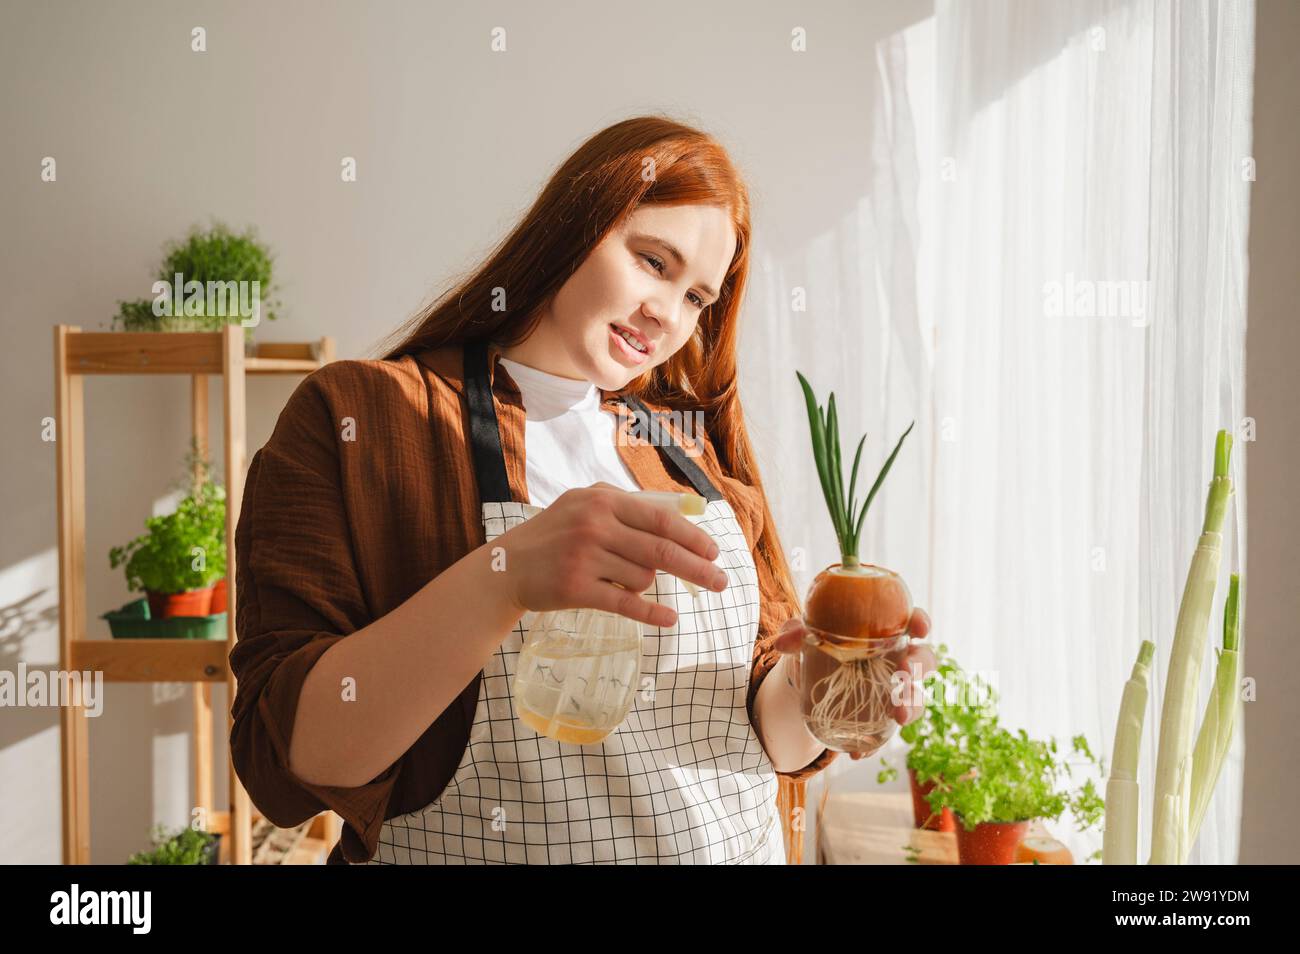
x=956 y=705
x=188 y=846
x=224 y=278
x=184 y=553
x=1000 y=781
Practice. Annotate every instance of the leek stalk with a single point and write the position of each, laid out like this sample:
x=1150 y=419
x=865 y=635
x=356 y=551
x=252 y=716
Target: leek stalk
x=1220 y=716
x=1170 y=839
x=1119 y=843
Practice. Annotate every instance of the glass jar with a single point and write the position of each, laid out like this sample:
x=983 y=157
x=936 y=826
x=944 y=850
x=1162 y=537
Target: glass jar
x=577 y=674
x=847 y=689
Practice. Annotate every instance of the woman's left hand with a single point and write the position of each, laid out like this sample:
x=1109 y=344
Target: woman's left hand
x=919 y=655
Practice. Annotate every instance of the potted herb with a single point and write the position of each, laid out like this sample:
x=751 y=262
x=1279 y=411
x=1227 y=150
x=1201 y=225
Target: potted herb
x=206 y=280
x=856 y=614
x=188 y=846
x=1000 y=781
x=220 y=598
x=210 y=509
x=184 y=553
x=955 y=706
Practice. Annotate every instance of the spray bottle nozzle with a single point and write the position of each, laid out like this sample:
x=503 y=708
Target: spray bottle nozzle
x=687 y=504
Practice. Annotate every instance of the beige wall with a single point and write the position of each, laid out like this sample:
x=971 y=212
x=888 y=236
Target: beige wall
x=1273 y=399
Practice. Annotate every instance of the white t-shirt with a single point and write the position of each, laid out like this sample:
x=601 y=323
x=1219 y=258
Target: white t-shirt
x=568 y=437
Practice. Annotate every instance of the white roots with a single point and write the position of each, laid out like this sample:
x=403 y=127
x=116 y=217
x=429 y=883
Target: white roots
x=855 y=700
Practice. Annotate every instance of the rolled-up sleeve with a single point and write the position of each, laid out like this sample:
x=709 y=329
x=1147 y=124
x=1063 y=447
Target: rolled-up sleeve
x=773 y=613
x=297 y=594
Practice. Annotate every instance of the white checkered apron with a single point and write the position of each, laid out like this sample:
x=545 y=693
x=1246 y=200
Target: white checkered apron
x=683 y=780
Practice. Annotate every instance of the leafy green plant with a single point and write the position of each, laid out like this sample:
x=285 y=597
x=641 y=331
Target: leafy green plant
x=957 y=707
x=184 y=847
x=136 y=315
x=215 y=255
x=163 y=560
x=1006 y=776
x=982 y=771
x=825 y=428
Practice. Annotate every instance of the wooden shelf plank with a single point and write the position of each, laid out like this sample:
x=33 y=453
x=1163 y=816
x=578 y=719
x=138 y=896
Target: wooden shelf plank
x=292 y=350
x=144 y=352
x=152 y=660
x=184 y=352
x=280 y=365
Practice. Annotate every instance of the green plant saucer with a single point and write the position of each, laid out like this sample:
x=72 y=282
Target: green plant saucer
x=132 y=621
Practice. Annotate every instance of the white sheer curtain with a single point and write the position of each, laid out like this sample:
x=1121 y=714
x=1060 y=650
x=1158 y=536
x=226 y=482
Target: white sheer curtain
x=1026 y=156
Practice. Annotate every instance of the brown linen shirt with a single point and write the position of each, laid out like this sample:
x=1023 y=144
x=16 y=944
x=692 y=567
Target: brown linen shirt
x=364 y=492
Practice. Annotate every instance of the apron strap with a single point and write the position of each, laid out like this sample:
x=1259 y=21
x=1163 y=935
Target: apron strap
x=693 y=472
x=485 y=433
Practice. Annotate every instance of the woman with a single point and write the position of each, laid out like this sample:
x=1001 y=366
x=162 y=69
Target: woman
x=408 y=512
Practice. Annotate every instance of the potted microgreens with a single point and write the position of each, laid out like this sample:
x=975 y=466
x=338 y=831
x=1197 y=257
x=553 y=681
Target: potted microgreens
x=184 y=553
x=1187 y=769
x=206 y=280
x=997 y=781
x=856 y=614
x=955 y=706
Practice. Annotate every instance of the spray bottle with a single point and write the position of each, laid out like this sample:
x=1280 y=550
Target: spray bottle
x=578 y=670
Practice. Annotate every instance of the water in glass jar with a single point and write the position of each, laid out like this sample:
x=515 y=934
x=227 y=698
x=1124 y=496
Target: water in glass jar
x=577 y=674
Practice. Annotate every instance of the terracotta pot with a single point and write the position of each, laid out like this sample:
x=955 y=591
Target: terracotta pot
x=990 y=843
x=188 y=603
x=922 y=814
x=218 y=597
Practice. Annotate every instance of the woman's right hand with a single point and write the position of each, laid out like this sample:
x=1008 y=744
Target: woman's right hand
x=572 y=553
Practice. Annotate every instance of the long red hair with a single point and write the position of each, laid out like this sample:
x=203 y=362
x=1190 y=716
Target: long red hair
x=647 y=159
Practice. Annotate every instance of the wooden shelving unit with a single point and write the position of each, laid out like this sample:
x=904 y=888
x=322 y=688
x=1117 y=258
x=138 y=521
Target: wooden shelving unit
x=78 y=354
